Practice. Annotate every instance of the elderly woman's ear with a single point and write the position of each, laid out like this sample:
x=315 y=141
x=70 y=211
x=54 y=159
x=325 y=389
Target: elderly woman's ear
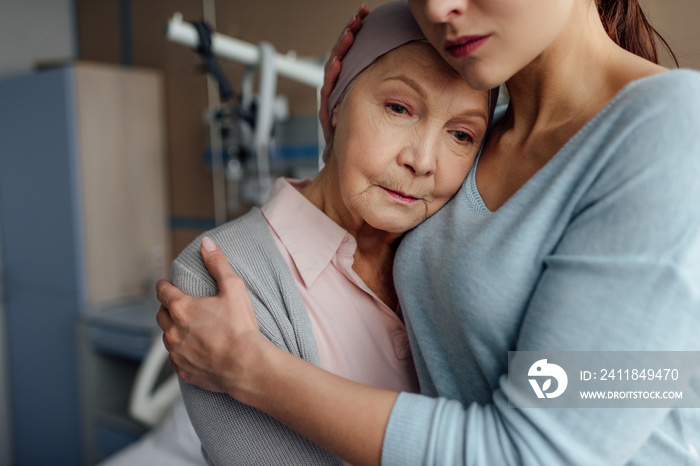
x=334 y=117
x=329 y=138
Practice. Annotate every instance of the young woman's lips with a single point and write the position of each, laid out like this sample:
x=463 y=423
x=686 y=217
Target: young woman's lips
x=399 y=196
x=464 y=46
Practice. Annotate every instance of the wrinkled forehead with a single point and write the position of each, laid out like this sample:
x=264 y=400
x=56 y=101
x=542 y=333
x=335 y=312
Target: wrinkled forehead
x=420 y=64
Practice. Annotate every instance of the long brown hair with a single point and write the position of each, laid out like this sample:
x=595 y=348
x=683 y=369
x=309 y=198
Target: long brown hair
x=625 y=23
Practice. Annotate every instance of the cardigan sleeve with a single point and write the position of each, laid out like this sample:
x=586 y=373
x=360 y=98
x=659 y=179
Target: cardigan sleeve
x=231 y=432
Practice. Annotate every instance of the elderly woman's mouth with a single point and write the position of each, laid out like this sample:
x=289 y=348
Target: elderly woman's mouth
x=399 y=196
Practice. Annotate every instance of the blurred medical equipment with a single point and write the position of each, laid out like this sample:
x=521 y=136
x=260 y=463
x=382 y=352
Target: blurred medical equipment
x=289 y=65
x=244 y=127
x=245 y=123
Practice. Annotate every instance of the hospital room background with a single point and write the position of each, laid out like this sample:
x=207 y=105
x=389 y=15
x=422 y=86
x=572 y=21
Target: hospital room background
x=127 y=128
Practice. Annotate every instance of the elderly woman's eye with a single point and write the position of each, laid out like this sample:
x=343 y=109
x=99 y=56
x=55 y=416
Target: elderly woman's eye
x=462 y=136
x=396 y=108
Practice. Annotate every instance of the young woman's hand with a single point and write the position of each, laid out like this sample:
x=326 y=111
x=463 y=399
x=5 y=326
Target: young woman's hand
x=332 y=68
x=212 y=341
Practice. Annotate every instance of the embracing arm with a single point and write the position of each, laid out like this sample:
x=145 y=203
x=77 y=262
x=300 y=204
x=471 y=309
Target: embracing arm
x=344 y=417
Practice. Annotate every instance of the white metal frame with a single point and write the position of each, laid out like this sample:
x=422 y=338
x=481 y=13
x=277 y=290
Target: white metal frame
x=290 y=66
x=303 y=71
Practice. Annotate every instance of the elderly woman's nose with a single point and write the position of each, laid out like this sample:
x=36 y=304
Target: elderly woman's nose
x=441 y=11
x=419 y=158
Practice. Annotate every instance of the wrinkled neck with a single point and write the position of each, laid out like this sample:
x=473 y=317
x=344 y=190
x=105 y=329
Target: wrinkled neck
x=324 y=192
x=374 y=257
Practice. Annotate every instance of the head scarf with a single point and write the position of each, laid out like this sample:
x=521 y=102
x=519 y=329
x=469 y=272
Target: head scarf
x=386 y=28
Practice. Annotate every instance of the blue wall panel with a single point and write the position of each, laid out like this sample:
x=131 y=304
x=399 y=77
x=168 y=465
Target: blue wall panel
x=42 y=263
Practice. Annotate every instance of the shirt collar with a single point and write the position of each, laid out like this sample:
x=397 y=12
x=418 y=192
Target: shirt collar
x=310 y=236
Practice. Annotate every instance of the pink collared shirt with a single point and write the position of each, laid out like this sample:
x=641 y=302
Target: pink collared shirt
x=357 y=336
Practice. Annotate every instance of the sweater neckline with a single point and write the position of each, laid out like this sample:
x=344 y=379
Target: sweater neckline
x=476 y=202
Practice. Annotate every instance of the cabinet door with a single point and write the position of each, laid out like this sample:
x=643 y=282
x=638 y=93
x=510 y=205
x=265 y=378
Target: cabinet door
x=122 y=148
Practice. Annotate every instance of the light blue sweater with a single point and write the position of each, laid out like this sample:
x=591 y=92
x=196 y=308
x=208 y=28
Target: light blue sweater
x=599 y=250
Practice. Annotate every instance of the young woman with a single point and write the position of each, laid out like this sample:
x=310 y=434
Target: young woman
x=577 y=229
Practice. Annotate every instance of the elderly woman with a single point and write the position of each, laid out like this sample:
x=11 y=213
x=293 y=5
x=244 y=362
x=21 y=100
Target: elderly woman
x=317 y=258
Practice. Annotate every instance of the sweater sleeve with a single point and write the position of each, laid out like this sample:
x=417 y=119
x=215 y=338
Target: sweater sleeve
x=624 y=276
x=231 y=432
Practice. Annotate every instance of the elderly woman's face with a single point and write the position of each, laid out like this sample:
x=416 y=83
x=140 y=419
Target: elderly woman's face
x=406 y=135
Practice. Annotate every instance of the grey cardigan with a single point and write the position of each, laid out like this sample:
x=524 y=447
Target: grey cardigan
x=233 y=433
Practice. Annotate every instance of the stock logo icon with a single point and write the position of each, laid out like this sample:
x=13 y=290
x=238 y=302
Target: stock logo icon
x=544 y=371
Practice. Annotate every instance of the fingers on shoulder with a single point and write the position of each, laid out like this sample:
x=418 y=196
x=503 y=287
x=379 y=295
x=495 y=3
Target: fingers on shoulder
x=171 y=332
x=220 y=268
x=166 y=291
x=216 y=262
x=173 y=303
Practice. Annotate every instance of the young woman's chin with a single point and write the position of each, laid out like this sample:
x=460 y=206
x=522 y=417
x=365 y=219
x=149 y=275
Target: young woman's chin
x=479 y=74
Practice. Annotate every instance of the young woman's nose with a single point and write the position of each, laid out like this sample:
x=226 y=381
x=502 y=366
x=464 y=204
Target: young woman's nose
x=420 y=157
x=441 y=11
